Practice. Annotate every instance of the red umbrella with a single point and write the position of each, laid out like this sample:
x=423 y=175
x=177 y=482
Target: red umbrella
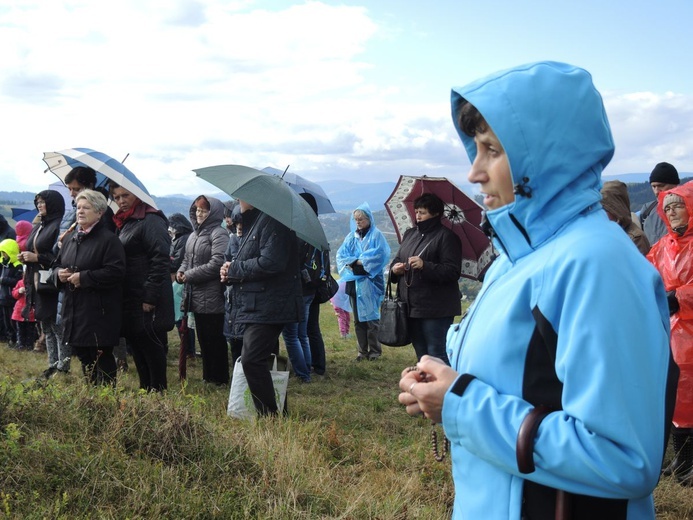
x=183 y=332
x=184 y=335
x=462 y=214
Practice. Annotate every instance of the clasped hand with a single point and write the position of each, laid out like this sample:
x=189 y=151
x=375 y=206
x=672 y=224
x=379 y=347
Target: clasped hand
x=68 y=276
x=224 y=272
x=424 y=387
x=413 y=262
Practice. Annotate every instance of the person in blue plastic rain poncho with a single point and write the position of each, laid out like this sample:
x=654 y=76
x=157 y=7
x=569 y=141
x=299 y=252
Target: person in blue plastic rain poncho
x=361 y=261
x=561 y=384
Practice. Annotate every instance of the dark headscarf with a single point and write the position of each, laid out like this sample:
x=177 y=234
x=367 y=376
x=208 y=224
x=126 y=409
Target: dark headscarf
x=180 y=224
x=55 y=204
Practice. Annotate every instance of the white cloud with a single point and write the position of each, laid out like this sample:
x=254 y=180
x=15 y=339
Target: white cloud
x=649 y=128
x=187 y=84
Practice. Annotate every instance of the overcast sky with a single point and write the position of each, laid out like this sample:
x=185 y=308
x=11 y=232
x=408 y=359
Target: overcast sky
x=338 y=90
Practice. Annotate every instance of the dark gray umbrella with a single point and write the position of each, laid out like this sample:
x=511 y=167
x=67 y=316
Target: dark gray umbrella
x=271 y=195
x=303 y=185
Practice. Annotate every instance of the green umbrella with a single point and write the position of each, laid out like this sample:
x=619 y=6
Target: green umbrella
x=271 y=195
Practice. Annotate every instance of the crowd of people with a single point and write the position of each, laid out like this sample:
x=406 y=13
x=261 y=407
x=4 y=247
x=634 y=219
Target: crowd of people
x=557 y=390
x=101 y=285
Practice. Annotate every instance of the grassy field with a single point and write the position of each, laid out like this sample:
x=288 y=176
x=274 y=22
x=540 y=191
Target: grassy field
x=346 y=450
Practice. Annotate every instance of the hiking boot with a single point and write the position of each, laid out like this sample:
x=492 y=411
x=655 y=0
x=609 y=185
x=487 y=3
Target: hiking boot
x=63 y=365
x=49 y=372
x=682 y=464
x=40 y=345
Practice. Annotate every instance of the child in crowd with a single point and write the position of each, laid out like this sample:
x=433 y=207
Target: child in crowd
x=23 y=230
x=342 y=308
x=177 y=308
x=234 y=338
x=10 y=274
x=23 y=318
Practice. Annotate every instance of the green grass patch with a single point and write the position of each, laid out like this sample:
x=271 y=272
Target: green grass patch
x=346 y=449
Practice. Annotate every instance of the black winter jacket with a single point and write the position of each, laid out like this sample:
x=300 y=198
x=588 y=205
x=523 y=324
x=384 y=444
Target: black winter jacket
x=10 y=274
x=265 y=276
x=91 y=314
x=147 y=271
x=182 y=229
x=431 y=292
x=42 y=239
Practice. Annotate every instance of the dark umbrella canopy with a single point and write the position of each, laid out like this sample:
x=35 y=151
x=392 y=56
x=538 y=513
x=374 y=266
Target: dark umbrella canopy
x=271 y=195
x=462 y=215
x=24 y=213
x=302 y=185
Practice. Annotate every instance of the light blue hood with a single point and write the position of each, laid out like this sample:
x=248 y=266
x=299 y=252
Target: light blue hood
x=367 y=211
x=516 y=104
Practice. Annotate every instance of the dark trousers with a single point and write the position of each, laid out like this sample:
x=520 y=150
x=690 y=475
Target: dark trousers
x=366 y=334
x=317 y=345
x=98 y=364
x=215 y=352
x=148 y=352
x=236 y=349
x=428 y=336
x=27 y=334
x=7 y=328
x=259 y=343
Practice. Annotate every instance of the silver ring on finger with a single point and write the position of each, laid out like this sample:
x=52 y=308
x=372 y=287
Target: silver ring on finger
x=412 y=386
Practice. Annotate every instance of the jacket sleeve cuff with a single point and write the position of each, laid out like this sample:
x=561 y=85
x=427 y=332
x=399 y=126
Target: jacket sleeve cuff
x=461 y=384
x=451 y=403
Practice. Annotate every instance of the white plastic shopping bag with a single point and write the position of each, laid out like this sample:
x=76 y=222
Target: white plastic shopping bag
x=241 y=401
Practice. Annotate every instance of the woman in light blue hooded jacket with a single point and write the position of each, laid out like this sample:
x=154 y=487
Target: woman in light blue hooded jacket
x=562 y=382
x=361 y=261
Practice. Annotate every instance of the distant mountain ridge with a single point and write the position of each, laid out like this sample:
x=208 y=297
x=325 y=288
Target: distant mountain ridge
x=344 y=195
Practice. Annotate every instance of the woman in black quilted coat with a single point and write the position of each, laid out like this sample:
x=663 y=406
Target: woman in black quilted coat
x=148 y=295
x=90 y=268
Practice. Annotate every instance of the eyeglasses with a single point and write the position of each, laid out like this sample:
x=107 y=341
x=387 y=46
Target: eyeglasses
x=40 y=202
x=674 y=207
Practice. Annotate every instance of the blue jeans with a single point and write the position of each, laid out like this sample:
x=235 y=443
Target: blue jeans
x=297 y=344
x=428 y=336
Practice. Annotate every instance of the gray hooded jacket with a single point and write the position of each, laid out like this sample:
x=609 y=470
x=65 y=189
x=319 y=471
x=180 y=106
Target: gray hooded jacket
x=204 y=255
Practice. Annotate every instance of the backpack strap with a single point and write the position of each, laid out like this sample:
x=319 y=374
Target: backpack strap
x=646 y=213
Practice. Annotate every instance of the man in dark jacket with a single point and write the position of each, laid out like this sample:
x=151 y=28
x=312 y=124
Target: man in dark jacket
x=664 y=177
x=265 y=294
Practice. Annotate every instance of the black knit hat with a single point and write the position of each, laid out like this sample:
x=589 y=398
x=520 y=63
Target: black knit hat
x=665 y=173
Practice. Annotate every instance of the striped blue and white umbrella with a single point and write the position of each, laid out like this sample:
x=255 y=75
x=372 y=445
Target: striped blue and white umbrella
x=106 y=167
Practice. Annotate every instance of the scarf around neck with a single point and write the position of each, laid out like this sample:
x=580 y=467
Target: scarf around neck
x=122 y=216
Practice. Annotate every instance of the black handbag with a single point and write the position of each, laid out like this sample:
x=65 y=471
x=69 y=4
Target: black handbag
x=43 y=281
x=327 y=286
x=394 y=314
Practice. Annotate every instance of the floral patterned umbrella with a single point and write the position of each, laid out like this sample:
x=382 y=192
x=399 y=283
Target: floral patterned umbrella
x=462 y=215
